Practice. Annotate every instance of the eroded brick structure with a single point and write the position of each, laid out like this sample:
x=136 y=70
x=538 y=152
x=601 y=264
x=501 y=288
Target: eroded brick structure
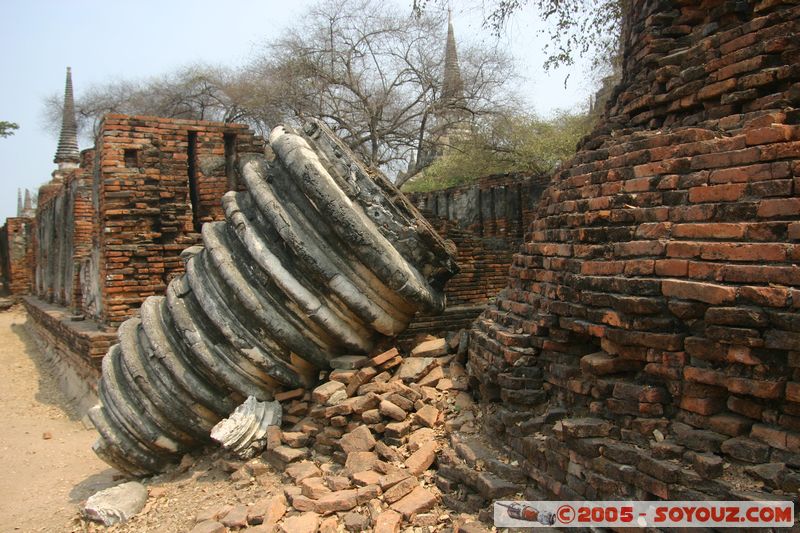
x=654 y=308
x=110 y=226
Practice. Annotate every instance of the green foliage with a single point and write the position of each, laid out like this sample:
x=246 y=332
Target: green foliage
x=7 y=128
x=510 y=144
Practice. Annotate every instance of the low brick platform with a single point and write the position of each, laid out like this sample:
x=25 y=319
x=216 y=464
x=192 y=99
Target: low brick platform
x=75 y=348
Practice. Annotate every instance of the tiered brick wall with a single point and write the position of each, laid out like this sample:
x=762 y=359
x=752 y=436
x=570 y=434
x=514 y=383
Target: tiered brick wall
x=17 y=256
x=486 y=221
x=649 y=332
x=144 y=207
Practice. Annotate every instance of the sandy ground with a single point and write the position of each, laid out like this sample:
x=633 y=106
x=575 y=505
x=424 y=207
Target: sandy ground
x=46 y=463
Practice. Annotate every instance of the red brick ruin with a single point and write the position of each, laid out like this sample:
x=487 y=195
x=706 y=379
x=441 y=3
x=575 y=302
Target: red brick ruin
x=652 y=312
x=646 y=330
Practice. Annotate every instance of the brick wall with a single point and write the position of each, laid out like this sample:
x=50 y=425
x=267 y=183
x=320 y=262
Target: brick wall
x=15 y=236
x=146 y=211
x=649 y=330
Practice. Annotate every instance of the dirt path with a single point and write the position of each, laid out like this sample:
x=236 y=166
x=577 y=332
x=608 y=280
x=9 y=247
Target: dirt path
x=46 y=463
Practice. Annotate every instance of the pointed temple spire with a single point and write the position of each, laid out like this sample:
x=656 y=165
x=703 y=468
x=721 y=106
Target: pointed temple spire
x=19 y=202
x=453 y=85
x=67 y=154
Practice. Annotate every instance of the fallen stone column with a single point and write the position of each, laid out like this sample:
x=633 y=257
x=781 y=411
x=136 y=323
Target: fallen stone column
x=319 y=257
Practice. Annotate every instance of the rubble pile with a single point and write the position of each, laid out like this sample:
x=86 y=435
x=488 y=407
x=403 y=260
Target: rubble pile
x=385 y=442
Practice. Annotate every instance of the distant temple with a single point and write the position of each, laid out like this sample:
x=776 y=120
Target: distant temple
x=451 y=116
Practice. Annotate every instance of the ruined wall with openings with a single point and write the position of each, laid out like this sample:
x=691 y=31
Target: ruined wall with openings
x=649 y=333
x=486 y=221
x=156 y=181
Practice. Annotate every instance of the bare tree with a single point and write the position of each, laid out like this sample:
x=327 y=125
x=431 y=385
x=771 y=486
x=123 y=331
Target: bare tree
x=202 y=92
x=371 y=71
x=374 y=74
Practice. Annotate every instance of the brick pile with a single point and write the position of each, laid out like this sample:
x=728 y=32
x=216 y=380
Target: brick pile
x=357 y=451
x=648 y=343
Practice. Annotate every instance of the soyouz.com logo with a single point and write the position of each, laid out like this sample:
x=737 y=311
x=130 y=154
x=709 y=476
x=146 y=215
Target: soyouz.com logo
x=737 y=514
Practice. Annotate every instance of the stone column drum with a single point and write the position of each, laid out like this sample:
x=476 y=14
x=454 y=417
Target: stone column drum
x=319 y=257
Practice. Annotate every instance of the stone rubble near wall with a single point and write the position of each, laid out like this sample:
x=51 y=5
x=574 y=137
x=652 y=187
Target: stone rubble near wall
x=384 y=444
x=318 y=257
x=648 y=342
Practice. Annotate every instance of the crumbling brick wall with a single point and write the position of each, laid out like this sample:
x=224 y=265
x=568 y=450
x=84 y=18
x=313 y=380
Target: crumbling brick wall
x=156 y=181
x=652 y=313
x=15 y=236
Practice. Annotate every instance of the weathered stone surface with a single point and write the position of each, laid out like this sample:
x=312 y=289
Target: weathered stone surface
x=314 y=488
x=341 y=500
x=267 y=511
x=772 y=474
x=358 y=440
x=244 y=433
x=116 y=504
x=356 y=522
x=420 y=437
x=392 y=411
x=428 y=416
x=329 y=525
x=413 y=368
x=417 y=501
x=236 y=517
x=580 y=428
x=302 y=470
x=430 y=348
x=400 y=489
x=359 y=462
x=208 y=526
x=329 y=393
x=422 y=459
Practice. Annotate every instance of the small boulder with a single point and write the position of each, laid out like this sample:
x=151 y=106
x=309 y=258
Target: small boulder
x=116 y=504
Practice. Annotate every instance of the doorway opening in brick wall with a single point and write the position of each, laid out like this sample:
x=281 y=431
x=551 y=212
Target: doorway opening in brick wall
x=230 y=160
x=194 y=196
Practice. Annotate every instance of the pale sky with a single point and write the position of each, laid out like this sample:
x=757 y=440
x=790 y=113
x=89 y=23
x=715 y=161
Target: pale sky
x=103 y=40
